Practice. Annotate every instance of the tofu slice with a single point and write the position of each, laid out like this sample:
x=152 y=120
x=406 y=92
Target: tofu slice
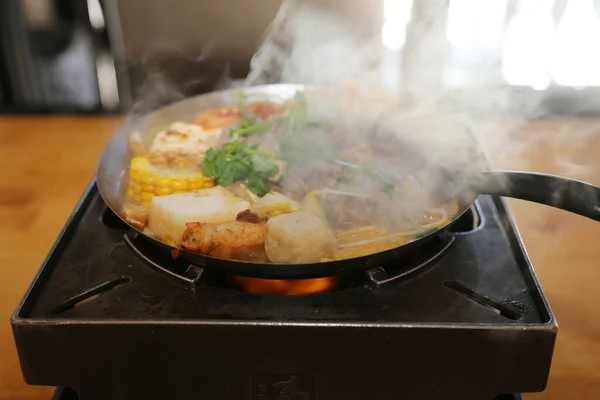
x=169 y=214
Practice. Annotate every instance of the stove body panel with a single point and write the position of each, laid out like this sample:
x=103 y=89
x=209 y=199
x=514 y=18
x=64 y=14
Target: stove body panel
x=154 y=361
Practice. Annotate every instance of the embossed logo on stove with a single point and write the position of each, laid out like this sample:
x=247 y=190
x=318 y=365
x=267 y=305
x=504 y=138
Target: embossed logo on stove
x=284 y=387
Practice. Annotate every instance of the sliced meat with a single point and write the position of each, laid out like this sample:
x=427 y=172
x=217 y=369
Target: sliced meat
x=252 y=217
x=346 y=212
x=237 y=240
x=313 y=175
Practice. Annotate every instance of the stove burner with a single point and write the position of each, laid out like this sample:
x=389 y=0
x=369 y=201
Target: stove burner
x=192 y=275
x=111 y=317
x=287 y=287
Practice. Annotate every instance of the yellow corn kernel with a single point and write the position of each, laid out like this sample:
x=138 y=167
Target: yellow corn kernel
x=135 y=187
x=163 y=191
x=148 y=188
x=163 y=183
x=180 y=177
x=148 y=179
x=147 y=196
x=179 y=185
x=134 y=175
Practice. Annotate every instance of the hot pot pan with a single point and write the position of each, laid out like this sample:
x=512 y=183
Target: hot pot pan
x=112 y=174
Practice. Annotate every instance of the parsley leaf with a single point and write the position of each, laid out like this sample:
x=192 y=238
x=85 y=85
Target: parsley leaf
x=263 y=167
x=234 y=147
x=213 y=160
x=236 y=161
x=254 y=129
x=233 y=170
x=258 y=184
x=251 y=123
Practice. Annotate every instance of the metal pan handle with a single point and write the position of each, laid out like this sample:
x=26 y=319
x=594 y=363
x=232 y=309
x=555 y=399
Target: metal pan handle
x=552 y=190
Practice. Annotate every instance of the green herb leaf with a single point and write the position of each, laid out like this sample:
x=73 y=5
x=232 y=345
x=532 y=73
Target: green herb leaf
x=236 y=161
x=258 y=184
x=263 y=167
x=250 y=129
x=233 y=170
x=212 y=160
x=234 y=147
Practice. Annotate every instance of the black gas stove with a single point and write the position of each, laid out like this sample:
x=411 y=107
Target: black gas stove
x=109 y=317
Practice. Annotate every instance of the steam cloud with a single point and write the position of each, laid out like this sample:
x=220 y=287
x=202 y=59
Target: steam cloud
x=327 y=43
x=312 y=43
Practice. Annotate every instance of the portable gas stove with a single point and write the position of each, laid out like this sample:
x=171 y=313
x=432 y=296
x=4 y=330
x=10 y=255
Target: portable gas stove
x=108 y=317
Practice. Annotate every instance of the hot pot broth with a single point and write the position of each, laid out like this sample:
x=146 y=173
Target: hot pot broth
x=279 y=181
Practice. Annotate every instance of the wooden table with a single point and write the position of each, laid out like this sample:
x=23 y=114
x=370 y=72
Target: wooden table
x=47 y=162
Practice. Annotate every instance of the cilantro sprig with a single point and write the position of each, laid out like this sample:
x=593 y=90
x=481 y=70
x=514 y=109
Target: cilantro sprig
x=251 y=123
x=237 y=161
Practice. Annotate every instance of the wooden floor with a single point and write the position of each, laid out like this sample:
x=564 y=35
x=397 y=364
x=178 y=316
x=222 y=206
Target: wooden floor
x=46 y=164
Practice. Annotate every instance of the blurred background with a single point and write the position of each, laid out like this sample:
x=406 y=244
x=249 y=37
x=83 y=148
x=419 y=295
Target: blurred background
x=94 y=56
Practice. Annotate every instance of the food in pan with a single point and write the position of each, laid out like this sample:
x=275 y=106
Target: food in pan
x=235 y=240
x=263 y=181
x=171 y=164
x=298 y=237
x=168 y=215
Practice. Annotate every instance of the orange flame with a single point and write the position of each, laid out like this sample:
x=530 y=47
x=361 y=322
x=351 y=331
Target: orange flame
x=289 y=287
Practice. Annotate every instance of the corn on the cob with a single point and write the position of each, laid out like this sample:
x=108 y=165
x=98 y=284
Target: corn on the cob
x=147 y=180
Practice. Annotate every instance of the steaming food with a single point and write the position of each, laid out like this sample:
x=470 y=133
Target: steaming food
x=224 y=116
x=274 y=204
x=182 y=138
x=168 y=215
x=171 y=165
x=265 y=181
x=237 y=240
x=298 y=237
x=314 y=205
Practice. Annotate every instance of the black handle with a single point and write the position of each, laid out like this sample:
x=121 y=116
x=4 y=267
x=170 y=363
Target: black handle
x=555 y=191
